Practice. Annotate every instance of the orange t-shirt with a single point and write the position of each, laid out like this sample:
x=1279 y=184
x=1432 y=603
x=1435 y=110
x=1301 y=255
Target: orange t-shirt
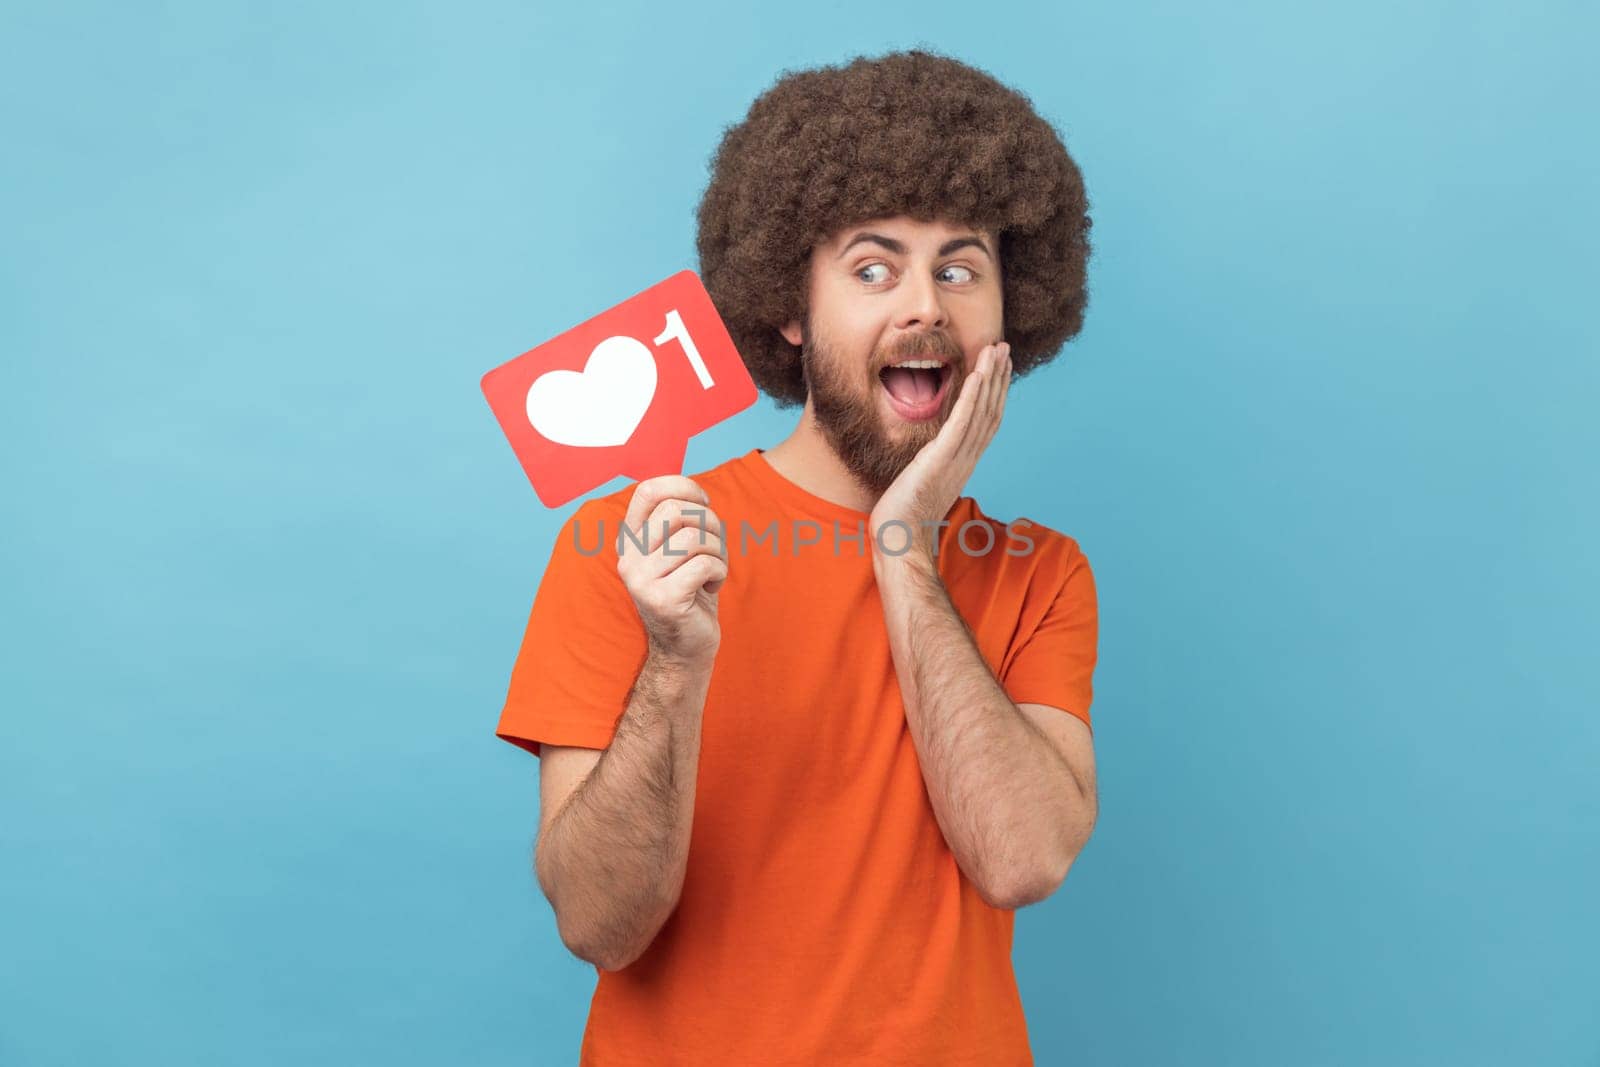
x=823 y=918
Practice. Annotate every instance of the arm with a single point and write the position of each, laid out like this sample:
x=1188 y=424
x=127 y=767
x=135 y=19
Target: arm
x=1013 y=808
x=612 y=860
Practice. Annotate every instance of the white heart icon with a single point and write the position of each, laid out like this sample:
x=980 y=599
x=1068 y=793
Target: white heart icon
x=601 y=405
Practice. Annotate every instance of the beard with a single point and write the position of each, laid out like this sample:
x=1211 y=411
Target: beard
x=845 y=402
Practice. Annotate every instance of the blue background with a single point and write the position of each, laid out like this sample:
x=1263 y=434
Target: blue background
x=1328 y=439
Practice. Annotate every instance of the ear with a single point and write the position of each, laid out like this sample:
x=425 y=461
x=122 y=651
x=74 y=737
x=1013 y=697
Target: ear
x=791 y=333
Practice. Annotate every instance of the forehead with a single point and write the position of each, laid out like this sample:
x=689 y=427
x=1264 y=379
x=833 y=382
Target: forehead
x=914 y=233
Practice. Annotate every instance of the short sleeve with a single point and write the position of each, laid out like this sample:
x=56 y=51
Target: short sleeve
x=1054 y=663
x=583 y=646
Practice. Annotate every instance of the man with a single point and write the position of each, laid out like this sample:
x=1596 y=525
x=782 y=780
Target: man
x=811 y=725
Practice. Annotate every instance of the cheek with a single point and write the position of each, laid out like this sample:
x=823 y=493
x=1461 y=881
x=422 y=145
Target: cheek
x=854 y=343
x=989 y=311
x=856 y=330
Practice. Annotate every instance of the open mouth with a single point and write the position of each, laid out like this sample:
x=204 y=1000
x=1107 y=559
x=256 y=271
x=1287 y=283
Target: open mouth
x=916 y=392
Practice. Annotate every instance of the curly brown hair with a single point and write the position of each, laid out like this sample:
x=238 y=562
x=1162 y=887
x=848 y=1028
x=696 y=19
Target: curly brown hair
x=909 y=133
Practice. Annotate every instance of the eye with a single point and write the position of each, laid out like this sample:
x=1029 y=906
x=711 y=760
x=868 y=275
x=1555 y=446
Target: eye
x=964 y=274
x=873 y=266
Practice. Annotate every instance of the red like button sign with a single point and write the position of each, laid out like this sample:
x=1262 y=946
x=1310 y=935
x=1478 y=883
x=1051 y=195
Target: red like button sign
x=621 y=393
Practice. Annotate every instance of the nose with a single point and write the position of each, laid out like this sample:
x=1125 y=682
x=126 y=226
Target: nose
x=922 y=304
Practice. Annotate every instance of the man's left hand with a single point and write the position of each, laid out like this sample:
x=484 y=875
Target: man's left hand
x=932 y=482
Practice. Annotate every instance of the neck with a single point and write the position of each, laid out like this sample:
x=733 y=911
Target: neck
x=807 y=459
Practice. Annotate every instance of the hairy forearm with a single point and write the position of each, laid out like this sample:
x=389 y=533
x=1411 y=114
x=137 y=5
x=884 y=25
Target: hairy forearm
x=612 y=862
x=1011 y=810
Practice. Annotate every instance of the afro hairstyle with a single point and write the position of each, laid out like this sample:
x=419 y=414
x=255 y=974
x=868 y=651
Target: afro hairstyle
x=910 y=133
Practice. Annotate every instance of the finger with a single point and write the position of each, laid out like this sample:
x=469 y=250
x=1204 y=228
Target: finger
x=652 y=491
x=989 y=415
x=953 y=437
x=702 y=571
x=1005 y=388
x=708 y=522
x=954 y=431
x=1002 y=377
x=668 y=515
x=981 y=402
x=677 y=550
x=675 y=514
x=991 y=406
x=999 y=369
x=971 y=390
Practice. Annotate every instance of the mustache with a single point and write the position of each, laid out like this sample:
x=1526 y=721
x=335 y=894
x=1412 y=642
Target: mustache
x=928 y=344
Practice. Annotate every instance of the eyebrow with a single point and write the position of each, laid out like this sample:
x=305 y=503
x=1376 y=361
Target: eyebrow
x=969 y=240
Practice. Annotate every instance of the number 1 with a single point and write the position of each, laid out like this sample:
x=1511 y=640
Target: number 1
x=675 y=330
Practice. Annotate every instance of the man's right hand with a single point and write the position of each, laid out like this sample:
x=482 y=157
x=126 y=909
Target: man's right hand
x=675 y=578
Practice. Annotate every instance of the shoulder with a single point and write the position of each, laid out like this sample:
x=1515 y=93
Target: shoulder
x=1035 y=546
